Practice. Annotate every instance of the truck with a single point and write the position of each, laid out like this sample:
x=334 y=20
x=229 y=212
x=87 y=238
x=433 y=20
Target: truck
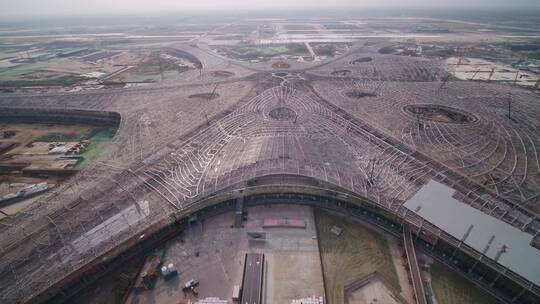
x=190 y=286
x=169 y=272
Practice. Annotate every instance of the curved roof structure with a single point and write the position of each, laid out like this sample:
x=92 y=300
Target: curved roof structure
x=351 y=131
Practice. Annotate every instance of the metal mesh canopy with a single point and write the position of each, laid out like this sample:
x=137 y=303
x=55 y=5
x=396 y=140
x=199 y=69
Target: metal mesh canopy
x=172 y=152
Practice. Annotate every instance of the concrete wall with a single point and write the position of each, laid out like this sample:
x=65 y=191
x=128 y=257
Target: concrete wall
x=59 y=116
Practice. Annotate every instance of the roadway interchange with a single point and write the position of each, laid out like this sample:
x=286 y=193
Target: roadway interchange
x=354 y=135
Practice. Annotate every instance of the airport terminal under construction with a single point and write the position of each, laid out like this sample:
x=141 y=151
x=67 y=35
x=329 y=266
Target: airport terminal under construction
x=364 y=134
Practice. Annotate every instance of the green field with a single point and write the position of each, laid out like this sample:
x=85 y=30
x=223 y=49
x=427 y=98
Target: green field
x=98 y=142
x=65 y=80
x=352 y=255
x=52 y=137
x=272 y=51
x=26 y=68
x=451 y=288
x=263 y=52
x=134 y=77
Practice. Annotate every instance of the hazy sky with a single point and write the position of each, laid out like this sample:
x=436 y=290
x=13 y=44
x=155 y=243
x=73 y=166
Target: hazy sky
x=30 y=8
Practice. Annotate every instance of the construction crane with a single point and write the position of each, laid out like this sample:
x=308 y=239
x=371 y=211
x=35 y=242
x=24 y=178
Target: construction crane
x=161 y=67
x=459 y=53
x=509 y=105
x=520 y=59
x=474 y=75
x=214 y=91
x=444 y=81
x=491 y=74
x=536 y=85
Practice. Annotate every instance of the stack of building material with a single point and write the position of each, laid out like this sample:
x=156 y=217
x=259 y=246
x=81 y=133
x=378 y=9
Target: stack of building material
x=310 y=300
x=211 y=301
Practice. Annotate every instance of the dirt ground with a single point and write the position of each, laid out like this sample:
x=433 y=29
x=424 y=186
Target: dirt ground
x=374 y=292
x=107 y=65
x=27 y=133
x=34 y=155
x=18 y=206
x=399 y=262
x=213 y=253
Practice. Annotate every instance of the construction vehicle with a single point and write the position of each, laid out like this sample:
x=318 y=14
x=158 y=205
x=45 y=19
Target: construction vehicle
x=169 y=272
x=236 y=293
x=190 y=286
x=149 y=272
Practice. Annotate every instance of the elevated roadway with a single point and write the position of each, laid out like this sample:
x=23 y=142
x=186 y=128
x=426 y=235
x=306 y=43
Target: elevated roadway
x=414 y=269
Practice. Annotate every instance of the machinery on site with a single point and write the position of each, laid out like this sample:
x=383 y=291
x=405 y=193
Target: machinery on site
x=149 y=272
x=190 y=287
x=169 y=272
